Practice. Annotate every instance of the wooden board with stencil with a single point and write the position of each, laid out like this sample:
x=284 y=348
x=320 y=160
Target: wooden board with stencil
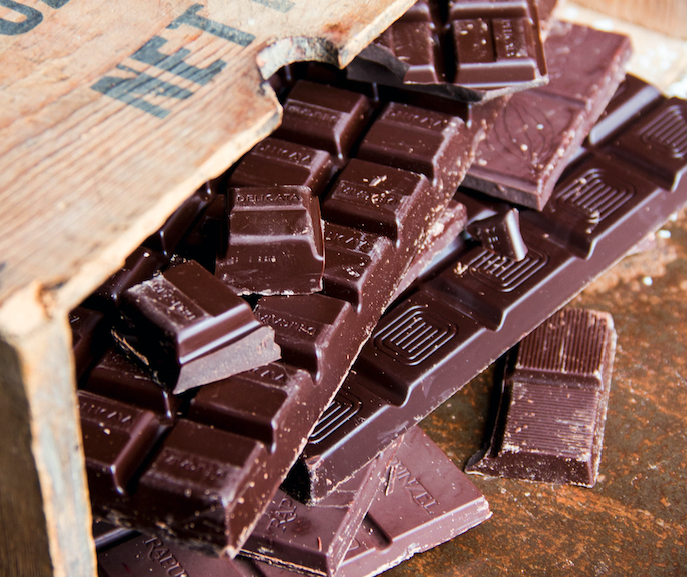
x=111 y=115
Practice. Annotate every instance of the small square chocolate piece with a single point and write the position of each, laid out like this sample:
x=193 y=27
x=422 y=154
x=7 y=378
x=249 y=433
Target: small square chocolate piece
x=190 y=329
x=275 y=243
x=550 y=424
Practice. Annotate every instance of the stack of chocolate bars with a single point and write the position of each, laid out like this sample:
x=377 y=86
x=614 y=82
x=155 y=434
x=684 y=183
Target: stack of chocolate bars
x=251 y=380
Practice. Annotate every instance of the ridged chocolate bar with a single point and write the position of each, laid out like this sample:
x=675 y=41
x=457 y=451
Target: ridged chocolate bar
x=541 y=130
x=464 y=49
x=554 y=398
x=425 y=500
x=315 y=540
x=482 y=303
x=251 y=427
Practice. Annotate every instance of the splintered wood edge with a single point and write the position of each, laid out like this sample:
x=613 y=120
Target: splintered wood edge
x=50 y=532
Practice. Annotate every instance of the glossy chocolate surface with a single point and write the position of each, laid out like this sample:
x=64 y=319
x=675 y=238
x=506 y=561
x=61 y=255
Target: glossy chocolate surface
x=424 y=500
x=275 y=243
x=190 y=329
x=463 y=49
x=540 y=130
x=554 y=399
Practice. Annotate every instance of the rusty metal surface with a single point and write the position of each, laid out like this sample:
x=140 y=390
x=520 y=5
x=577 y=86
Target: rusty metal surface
x=634 y=521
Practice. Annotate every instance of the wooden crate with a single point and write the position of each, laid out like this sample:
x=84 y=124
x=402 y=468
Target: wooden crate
x=113 y=113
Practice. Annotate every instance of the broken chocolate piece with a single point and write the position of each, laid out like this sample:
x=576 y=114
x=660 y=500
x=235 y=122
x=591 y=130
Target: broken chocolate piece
x=465 y=50
x=424 y=500
x=324 y=117
x=321 y=332
x=540 y=130
x=501 y=234
x=314 y=540
x=554 y=398
x=190 y=329
x=275 y=242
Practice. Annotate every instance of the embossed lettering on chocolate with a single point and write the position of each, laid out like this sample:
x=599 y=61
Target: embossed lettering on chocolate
x=275 y=243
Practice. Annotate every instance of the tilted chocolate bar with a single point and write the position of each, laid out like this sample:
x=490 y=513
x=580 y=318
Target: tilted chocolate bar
x=189 y=329
x=540 y=130
x=200 y=477
x=468 y=50
x=257 y=442
x=425 y=500
x=458 y=323
x=275 y=242
x=554 y=398
x=314 y=540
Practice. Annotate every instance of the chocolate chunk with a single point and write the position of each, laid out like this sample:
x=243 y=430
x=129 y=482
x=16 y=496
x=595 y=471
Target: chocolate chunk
x=418 y=140
x=117 y=437
x=275 y=162
x=540 y=130
x=467 y=315
x=467 y=50
x=89 y=337
x=190 y=329
x=116 y=376
x=324 y=117
x=275 y=242
x=554 y=398
x=314 y=540
x=501 y=234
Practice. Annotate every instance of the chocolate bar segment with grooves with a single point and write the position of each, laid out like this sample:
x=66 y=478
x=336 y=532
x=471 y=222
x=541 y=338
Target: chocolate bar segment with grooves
x=466 y=50
x=314 y=540
x=320 y=334
x=275 y=243
x=554 y=398
x=424 y=500
x=202 y=478
x=190 y=329
x=456 y=324
x=540 y=130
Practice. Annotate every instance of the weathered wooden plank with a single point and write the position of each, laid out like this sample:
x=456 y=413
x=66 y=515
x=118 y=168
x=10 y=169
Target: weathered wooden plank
x=110 y=115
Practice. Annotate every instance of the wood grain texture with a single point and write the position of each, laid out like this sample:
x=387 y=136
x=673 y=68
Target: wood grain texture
x=111 y=115
x=665 y=16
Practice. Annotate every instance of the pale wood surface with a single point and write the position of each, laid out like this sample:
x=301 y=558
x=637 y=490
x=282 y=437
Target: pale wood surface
x=107 y=122
x=665 y=16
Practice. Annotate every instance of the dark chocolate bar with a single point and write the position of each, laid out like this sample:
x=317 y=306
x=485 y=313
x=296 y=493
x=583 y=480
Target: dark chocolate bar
x=468 y=50
x=201 y=476
x=378 y=216
x=540 y=130
x=424 y=501
x=456 y=324
x=314 y=540
x=275 y=242
x=190 y=329
x=554 y=398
